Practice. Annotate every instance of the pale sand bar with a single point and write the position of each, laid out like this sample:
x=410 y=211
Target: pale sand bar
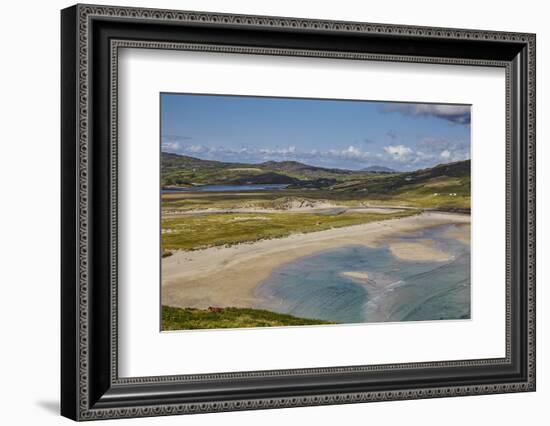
x=420 y=251
x=361 y=276
x=228 y=276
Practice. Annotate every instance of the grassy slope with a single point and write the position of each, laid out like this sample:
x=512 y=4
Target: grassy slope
x=434 y=193
x=428 y=188
x=445 y=186
x=190 y=319
x=194 y=232
x=418 y=188
x=181 y=170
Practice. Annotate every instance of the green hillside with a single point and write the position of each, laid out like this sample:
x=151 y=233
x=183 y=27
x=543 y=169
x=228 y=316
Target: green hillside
x=335 y=198
x=397 y=182
x=442 y=186
x=182 y=170
x=445 y=185
x=191 y=319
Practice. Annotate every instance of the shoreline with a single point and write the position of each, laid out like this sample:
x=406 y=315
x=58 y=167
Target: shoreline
x=228 y=276
x=259 y=210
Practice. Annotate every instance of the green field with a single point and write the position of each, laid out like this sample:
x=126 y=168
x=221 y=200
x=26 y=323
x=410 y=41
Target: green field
x=443 y=187
x=195 y=232
x=191 y=319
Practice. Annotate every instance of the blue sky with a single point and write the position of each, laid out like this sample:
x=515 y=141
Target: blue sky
x=327 y=133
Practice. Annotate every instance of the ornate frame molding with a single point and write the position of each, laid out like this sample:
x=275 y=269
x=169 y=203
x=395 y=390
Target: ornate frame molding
x=80 y=18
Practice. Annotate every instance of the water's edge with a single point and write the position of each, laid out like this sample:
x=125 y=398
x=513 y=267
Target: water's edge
x=225 y=188
x=395 y=290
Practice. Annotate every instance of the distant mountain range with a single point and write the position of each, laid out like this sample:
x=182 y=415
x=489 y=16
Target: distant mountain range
x=185 y=170
x=170 y=161
x=379 y=169
x=182 y=170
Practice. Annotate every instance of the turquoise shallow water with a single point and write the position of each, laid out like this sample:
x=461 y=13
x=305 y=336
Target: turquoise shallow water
x=396 y=290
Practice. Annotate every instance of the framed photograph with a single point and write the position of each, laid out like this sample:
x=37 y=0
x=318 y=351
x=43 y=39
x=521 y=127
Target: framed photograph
x=263 y=212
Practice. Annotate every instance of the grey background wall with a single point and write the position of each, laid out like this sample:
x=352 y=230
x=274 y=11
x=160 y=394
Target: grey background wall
x=29 y=213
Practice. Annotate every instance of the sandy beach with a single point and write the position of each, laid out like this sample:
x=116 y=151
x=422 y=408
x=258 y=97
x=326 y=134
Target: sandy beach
x=228 y=276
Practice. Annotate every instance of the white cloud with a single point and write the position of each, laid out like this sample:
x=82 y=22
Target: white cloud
x=170 y=146
x=197 y=149
x=399 y=152
x=352 y=152
x=397 y=156
x=444 y=150
x=276 y=151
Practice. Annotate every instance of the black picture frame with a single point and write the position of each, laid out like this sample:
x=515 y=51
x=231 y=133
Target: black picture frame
x=90 y=386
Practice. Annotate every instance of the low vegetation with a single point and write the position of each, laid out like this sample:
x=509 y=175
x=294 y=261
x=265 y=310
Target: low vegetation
x=182 y=170
x=191 y=319
x=443 y=187
x=201 y=231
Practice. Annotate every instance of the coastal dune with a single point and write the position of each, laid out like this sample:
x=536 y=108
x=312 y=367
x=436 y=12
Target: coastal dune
x=228 y=276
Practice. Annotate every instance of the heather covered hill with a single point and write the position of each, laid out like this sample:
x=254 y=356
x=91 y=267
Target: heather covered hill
x=444 y=185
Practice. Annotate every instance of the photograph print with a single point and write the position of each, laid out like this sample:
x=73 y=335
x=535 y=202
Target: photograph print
x=312 y=212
